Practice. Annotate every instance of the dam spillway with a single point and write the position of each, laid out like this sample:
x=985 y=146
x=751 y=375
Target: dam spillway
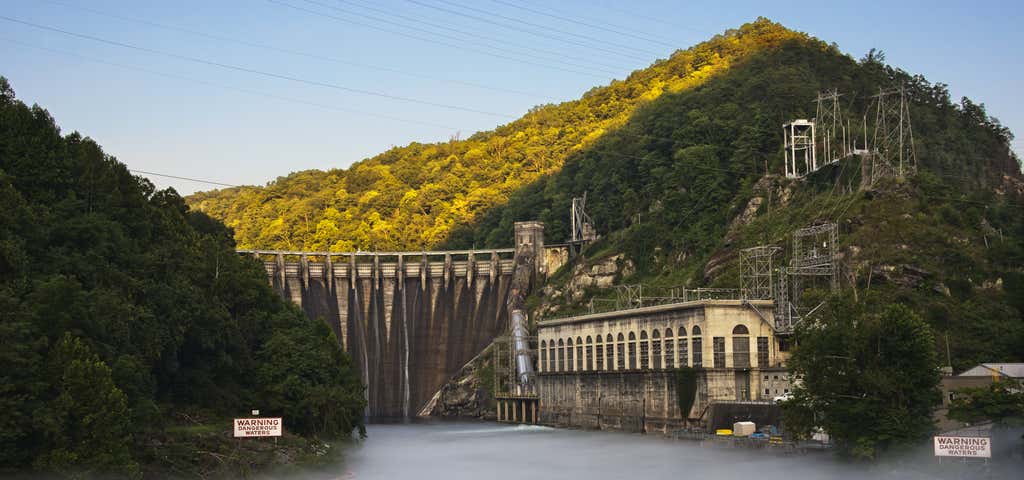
x=409 y=320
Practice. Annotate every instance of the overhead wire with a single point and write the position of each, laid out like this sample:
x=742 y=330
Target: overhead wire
x=439 y=42
x=525 y=30
x=585 y=24
x=599 y=41
x=272 y=48
x=558 y=56
x=210 y=182
x=429 y=32
x=229 y=87
x=549 y=7
x=254 y=71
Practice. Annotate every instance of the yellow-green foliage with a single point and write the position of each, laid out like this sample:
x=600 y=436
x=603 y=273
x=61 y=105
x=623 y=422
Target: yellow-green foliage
x=411 y=197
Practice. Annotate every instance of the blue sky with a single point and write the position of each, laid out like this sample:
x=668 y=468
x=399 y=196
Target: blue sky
x=345 y=79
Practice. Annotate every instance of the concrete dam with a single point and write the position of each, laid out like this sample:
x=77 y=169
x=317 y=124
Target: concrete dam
x=409 y=320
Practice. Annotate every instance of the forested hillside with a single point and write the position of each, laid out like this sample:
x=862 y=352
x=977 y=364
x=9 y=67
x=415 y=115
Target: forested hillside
x=126 y=319
x=682 y=163
x=412 y=197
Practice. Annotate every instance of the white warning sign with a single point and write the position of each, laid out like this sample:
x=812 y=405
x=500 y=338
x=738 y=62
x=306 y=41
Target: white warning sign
x=980 y=447
x=257 y=427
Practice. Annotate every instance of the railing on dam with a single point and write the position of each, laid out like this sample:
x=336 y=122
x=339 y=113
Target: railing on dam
x=670 y=296
x=352 y=265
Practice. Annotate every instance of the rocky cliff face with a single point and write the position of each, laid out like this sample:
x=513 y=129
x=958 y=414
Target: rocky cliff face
x=586 y=275
x=468 y=394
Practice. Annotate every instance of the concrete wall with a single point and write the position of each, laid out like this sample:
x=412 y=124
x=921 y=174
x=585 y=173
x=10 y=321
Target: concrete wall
x=555 y=256
x=410 y=321
x=643 y=401
x=602 y=391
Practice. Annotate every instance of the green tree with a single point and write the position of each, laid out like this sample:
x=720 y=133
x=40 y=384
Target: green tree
x=87 y=425
x=1001 y=402
x=867 y=375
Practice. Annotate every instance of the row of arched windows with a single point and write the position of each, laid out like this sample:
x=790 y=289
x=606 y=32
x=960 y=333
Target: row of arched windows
x=657 y=351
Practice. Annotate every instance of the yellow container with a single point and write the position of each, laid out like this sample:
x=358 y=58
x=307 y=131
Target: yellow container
x=725 y=432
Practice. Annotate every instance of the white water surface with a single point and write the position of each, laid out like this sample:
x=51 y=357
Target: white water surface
x=482 y=450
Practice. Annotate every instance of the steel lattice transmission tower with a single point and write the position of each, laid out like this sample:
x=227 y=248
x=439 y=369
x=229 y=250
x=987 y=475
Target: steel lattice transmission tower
x=756 y=272
x=893 y=152
x=831 y=129
x=814 y=258
x=581 y=226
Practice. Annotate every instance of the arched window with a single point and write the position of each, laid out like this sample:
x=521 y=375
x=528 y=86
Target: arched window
x=656 y=350
x=609 y=349
x=552 y=353
x=670 y=349
x=645 y=351
x=698 y=348
x=561 y=355
x=599 y=358
x=620 y=353
x=632 y=351
x=590 y=353
x=740 y=347
x=579 y=354
x=683 y=348
x=543 y=355
x=568 y=355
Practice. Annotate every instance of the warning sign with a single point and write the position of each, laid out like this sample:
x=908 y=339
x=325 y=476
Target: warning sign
x=257 y=427
x=980 y=447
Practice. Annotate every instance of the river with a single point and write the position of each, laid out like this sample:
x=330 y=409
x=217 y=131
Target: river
x=481 y=450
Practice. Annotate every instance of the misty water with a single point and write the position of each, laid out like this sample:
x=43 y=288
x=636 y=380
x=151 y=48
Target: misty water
x=480 y=450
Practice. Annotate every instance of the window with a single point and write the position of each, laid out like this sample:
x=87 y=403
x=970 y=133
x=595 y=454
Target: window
x=543 y=355
x=551 y=356
x=670 y=350
x=767 y=391
x=579 y=354
x=645 y=351
x=656 y=349
x=599 y=349
x=697 y=351
x=684 y=354
x=740 y=347
x=762 y=353
x=568 y=355
x=632 y=351
x=718 y=349
x=609 y=347
x=620 y=353
x=561 y=355
x=590 y=353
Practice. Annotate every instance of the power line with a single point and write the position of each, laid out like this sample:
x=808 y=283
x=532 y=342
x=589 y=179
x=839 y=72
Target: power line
x=457 y=39
x=431 y=40
x=558 y=55
x=545 y=27
x=229 y=87
x=520 y=29
x=292 y=52
x=254 y=71
x=585 y=24
x=650 y=19
x=620 y=27
x=183 y=178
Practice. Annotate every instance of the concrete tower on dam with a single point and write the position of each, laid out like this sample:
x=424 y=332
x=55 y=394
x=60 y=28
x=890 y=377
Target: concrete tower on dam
x=409 y=320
